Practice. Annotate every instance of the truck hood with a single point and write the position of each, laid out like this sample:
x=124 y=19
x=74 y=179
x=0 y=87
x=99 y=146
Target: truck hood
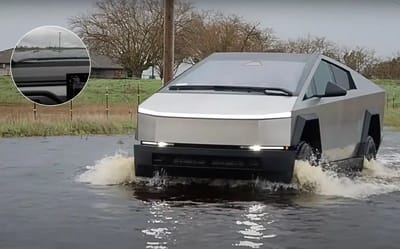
x=218 y=106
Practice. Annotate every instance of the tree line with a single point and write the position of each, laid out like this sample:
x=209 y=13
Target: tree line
x=131 y=31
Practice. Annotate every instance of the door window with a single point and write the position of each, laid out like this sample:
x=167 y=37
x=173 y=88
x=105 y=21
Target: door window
x=327 y=72
x=342 y=78
x=321 y=78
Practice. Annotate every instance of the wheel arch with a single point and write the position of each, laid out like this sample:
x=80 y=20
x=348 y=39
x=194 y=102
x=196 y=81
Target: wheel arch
x=371 y=127
x=307 y=128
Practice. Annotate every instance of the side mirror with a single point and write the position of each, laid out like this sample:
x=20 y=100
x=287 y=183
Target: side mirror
x=333 y=90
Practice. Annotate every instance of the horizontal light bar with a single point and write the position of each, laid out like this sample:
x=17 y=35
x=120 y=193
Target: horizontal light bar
x=216 y=116
x=149 y=143
x=259 y=147
x=255 y=147
x=162 y=144
x=159 y=144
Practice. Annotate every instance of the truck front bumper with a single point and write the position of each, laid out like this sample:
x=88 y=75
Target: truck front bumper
x=224 y=162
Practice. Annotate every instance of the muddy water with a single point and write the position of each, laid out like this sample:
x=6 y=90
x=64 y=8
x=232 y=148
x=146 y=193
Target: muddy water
x=56 y=193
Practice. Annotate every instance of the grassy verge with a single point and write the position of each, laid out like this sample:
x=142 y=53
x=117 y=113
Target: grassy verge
x=119 y=92
x=392 y=108
x=89 y=115
x=27 y=128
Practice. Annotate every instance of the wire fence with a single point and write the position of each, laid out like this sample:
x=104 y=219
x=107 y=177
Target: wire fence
x=392 y=101
x=107 y=105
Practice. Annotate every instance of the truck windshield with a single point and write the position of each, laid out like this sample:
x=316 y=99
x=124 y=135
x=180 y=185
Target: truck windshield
x=260 y=73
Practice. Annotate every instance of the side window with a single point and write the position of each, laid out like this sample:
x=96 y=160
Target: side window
x=342 y=78
x=311 y=90
x=322 y=76
x=328 y=72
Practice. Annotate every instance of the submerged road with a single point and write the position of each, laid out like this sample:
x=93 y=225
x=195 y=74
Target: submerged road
x=54 y=194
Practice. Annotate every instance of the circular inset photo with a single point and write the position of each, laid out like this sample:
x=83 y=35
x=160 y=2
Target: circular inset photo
x=50 y=65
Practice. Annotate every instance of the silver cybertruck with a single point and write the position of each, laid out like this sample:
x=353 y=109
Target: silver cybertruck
x=249 y=115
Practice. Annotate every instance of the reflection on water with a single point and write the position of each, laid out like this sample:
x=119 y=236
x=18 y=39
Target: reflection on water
x=161 y=225
x=254 y=231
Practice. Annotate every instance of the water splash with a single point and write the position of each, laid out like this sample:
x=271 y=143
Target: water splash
x=378 y=177
x=111 y=170
x=375 y=179
x=380 y=169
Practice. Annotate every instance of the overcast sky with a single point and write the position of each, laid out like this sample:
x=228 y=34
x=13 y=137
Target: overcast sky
x=50 y=36
x=367 y=23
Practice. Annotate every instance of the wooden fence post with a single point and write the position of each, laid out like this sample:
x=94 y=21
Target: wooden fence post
x=70 y=110
x=138 y=96
x=393 y=101
x=387 y=102
x=34 y=111
x=107 y=107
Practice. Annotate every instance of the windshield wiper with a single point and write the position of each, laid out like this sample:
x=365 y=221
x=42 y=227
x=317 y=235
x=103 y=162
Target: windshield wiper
x=265 y=90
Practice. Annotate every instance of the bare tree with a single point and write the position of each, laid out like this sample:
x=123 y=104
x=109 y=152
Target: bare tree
x=131 y=31
x=388 y=68
x=360 y=59
x=128 y=30
x=214 y=32
x=310 y=45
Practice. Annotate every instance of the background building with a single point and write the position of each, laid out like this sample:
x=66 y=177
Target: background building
x=105 y=67
x=102 y=66
x=5 y=56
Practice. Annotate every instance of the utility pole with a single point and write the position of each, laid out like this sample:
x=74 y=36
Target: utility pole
x=169 y=33
x=59 y=40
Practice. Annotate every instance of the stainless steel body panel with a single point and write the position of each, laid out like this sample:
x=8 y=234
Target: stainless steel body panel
x=46 y=74
x=223 y=106
x=216 y=119
x=215 y=131
x=59 y=90
x=341 y=119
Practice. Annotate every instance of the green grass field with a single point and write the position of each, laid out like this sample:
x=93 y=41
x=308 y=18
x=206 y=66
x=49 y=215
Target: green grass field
x=119 y=91
x=392 y=110
x=392 y=88
x=9 y=93
x=16 y=115
x=89 y=118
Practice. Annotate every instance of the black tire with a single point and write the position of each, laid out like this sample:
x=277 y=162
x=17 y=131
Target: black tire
x=306 y=152
x=370 y=149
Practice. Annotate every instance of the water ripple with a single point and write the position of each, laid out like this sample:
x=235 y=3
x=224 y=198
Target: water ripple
x=255 y=230
x=161 y=225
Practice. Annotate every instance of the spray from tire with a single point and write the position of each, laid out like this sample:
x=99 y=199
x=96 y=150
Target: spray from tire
x=376 y=178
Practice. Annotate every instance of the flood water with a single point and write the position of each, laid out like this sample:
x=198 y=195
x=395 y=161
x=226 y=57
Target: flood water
x=80 y=192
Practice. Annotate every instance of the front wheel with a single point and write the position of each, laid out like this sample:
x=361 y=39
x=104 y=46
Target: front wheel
x=307 y=153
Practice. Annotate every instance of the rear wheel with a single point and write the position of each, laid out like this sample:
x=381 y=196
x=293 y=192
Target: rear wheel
x=370 y=149
x=306 y=152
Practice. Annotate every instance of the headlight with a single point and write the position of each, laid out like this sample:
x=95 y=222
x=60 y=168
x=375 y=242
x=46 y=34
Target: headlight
x=159 y=144
x=257 y=147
